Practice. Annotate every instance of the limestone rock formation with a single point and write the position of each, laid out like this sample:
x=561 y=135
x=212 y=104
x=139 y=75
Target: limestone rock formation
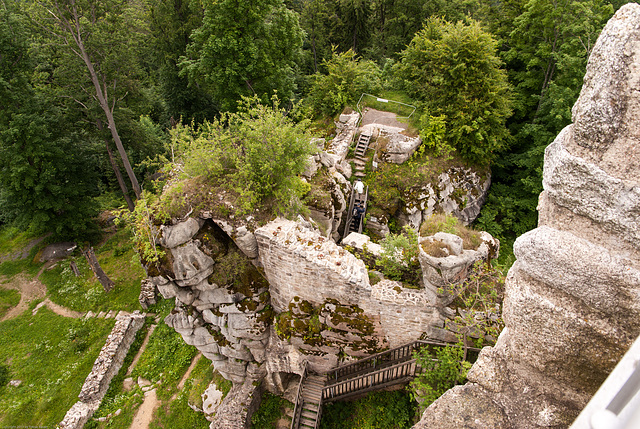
x=572 y=303
x=444 y=259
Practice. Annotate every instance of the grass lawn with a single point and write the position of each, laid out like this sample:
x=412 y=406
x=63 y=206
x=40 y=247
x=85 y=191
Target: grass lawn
x=51 y=355
x=8 y=298
x=85 y=293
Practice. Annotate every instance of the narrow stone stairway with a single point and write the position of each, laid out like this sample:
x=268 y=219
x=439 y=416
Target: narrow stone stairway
x=312 y=400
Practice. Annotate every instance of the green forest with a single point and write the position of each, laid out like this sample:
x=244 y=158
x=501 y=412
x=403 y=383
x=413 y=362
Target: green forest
x=98 y=96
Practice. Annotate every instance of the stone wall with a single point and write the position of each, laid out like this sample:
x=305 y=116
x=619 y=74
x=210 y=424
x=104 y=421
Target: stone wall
x=104 y=369
x=307 y=273
x=572 y=304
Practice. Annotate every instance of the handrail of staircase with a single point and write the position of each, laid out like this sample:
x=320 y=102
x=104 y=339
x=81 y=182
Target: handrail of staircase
x=405 y=352
x=370 y=380
x=297 y=409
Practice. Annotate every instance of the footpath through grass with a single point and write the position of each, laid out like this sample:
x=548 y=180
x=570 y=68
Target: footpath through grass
x=52 y=356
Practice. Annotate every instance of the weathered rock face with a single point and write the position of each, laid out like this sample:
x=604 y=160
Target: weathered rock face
x=572 y=303
x=221 y=298
x=326 y=305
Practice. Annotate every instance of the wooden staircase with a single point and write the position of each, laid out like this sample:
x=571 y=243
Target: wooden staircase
x=388 y=368
x=360 y=160
x=312 y=401
x=353 y=224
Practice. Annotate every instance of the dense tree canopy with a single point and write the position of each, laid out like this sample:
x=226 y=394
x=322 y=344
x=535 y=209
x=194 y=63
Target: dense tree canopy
x=455 y=71
x=244 y=48
x=494 y=81
x=45 y=174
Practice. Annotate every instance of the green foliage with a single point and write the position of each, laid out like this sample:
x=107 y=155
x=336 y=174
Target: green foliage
x=440 y=370
x=433 y=131
x=480 y=295
x=85 y=293
x=346 y=79
x=454 y=70
x=178 y=414
x=399 y=257
x=5 y=376
x=269 y=412
x=165 y=358
x=141 y=223
x=8 y=298
x=46 y=176
x=52 y=355
x=548 y=50
x=171 y=23
x=377 y=410
x=242 y=49
x=256 y=153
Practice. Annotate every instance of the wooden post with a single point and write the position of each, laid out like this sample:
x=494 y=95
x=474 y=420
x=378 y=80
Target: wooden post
x=105 y=281
x=74 y=268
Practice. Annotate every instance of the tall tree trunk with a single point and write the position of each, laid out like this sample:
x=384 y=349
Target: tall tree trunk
x=116 y=170
x=102 y=97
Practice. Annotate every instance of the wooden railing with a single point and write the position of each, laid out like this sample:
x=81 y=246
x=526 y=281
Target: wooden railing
x=379 y=360
x=388 y=376
x=297 y=409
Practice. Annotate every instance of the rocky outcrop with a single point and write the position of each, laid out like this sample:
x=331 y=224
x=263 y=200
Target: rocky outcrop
x=572 y=303
x=444 y=259
x=221 y=298
x=393 y=144
x=458 y=191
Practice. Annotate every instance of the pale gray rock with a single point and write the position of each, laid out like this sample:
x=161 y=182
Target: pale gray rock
x=572 y=300
x=311 y=167
x=362 y=242
x=246 y=241
x=190 y=265
x=175 y=235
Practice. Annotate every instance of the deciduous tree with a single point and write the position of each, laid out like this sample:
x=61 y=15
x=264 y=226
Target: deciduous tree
x=455 y=71
x=244 y=49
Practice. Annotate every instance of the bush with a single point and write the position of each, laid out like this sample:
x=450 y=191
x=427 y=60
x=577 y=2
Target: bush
x=440 y=371
x=257 y=153
x=399 y=257
x=346 y=79
x=269 y=412
x=454 y=70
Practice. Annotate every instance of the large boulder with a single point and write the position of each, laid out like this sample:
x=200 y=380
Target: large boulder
x=572 y=305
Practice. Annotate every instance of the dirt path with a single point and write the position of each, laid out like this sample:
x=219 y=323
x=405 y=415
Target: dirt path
x=144 y=415
x=186 y=375
x=29 y=290
x=373 y=116
x=136 y=358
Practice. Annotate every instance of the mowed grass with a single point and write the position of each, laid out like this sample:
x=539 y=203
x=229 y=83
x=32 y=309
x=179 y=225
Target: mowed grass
x=52 y=356
x=8 y=298
x=118 y=260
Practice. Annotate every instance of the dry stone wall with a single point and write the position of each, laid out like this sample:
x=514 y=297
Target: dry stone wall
x=572 y=303
x=105 y=367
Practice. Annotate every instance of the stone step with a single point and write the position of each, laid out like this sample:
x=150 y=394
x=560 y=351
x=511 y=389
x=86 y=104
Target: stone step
x=359 y=174
x=359 y=161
